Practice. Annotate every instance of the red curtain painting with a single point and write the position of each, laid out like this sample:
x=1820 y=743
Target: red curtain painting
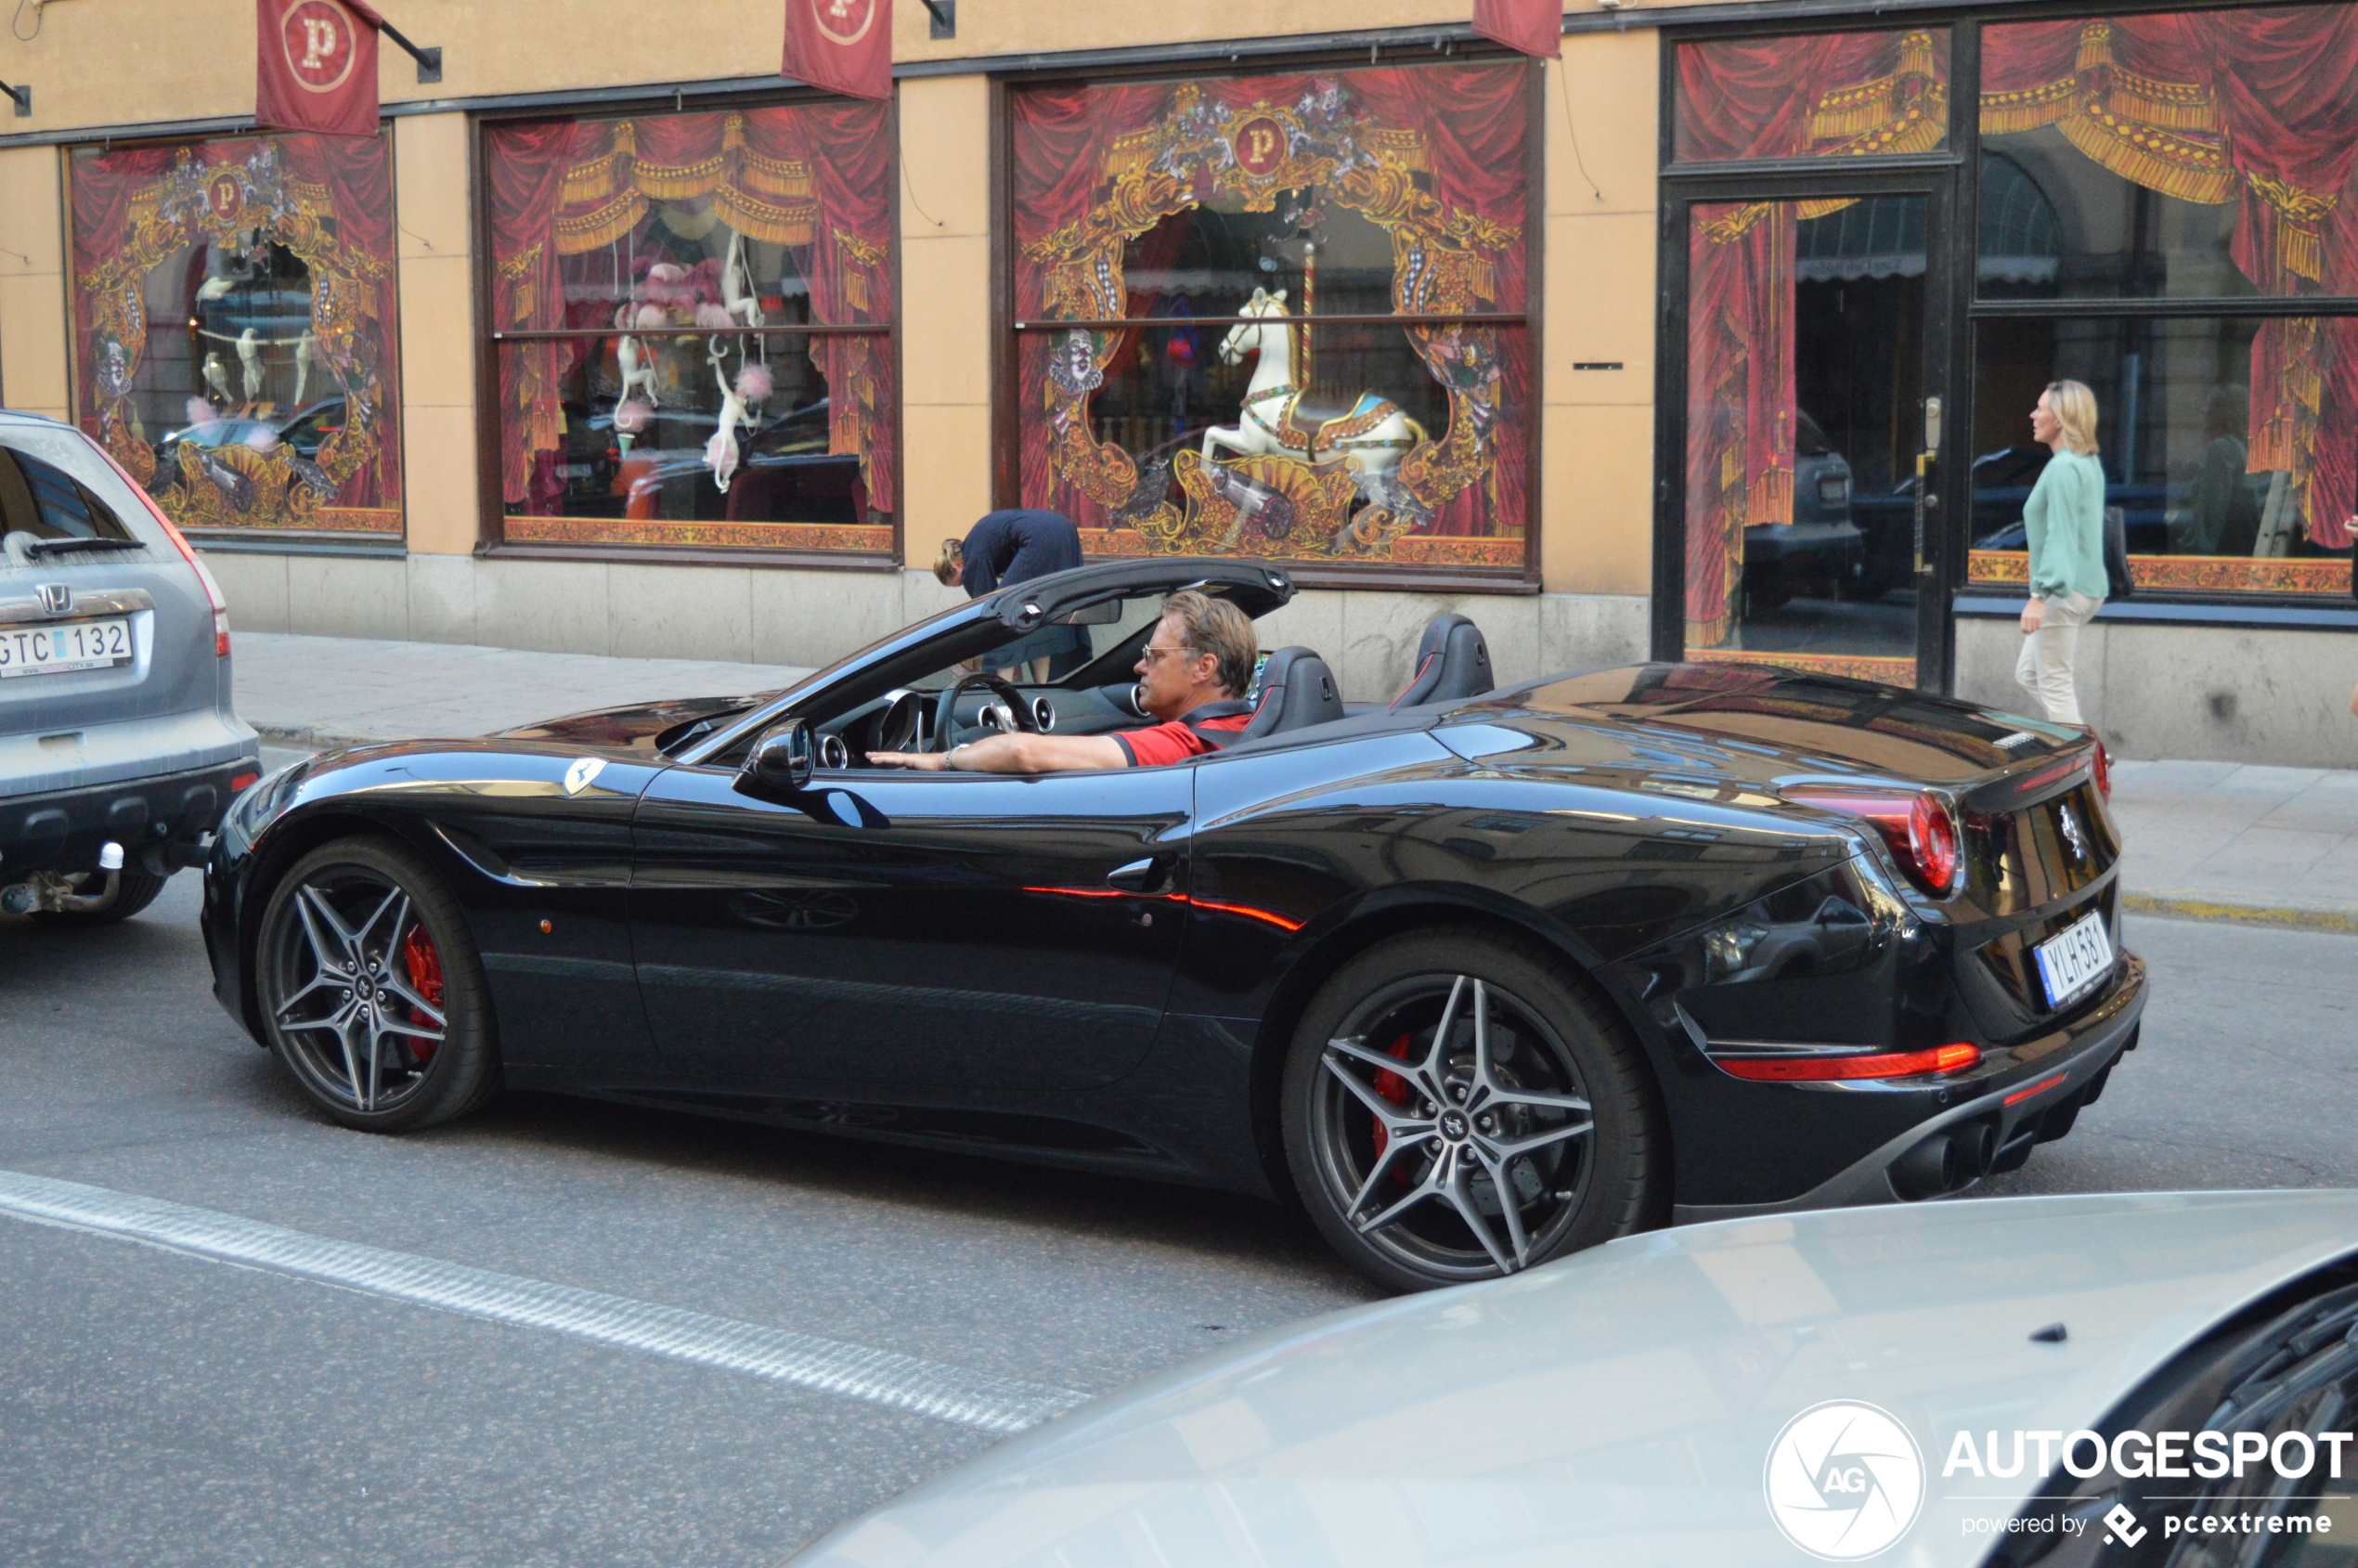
x=814 y=177
x=1071 y=150
x=2257 y=107
x=1888 y=93
x=329 y=199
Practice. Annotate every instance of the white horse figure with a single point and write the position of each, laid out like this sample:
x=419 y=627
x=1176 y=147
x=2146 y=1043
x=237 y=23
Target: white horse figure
x=303 y=355
x=1373 y=429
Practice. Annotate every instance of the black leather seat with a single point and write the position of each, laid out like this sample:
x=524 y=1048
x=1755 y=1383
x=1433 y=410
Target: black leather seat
x=1296 y=691
x=1451 y=661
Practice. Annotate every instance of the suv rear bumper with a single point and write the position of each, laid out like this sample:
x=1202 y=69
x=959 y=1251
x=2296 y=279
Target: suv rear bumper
x=63 y=829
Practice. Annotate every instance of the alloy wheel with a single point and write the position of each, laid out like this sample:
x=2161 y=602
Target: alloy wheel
x=1451 y=1128
x=355 y=990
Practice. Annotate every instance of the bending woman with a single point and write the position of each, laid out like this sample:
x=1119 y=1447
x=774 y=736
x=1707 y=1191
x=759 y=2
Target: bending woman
x=2064 y=518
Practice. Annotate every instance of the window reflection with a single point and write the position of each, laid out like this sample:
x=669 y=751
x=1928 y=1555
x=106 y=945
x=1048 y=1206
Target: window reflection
x=2196 y=468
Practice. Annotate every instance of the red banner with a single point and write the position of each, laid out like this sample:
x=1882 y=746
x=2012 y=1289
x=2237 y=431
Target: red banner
x=843 y=46
x=1536 y=26
x=315 y=67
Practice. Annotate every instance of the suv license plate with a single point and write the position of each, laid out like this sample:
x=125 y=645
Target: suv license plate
x=60 y=650
x=2071 y=963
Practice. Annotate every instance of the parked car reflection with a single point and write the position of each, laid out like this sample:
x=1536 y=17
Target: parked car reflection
x=1816 y=553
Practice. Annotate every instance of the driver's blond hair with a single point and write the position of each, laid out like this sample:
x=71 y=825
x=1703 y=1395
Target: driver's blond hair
x=1215 y=626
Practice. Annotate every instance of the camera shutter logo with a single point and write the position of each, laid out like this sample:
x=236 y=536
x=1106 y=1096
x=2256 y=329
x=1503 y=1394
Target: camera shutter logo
x=1845 y=1481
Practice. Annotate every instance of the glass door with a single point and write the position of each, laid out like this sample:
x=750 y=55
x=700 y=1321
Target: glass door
x=1814 y=369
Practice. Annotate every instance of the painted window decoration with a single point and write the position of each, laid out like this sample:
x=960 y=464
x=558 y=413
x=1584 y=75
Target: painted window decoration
x=234 y=328
x=691 y=321
x=1803 y=346
x=1296 y=308
x=1861 y=94
x=2189 y=156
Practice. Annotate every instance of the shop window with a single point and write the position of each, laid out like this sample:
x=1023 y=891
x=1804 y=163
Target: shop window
x=235 y=332
x=1821 y=94
x=691 y=329
x=2216 y=495
x=1279 y=315
x=2202 y=159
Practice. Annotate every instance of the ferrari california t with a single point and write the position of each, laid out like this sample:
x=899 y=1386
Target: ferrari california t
x=1475 y=977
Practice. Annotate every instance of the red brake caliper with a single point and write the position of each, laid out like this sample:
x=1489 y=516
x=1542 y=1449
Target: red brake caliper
x=424 y=965
x=1393 y=1088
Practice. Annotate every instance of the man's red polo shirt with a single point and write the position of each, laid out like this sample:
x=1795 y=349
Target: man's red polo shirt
x=1175 y=740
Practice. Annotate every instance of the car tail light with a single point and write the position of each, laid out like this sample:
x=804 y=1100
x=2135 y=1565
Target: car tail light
x=180 y=543
x=1954 y=1057
x=2103 y=774
x=1916 y=824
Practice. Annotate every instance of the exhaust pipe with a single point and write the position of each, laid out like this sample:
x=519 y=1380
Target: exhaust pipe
x=1950 y=1158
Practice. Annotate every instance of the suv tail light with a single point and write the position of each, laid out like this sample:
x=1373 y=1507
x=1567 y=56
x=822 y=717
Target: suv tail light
x=180 y=543
x=1916 y=824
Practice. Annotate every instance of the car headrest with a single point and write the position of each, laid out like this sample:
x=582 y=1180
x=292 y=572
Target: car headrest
x=1453 y=661
x=1296 y=691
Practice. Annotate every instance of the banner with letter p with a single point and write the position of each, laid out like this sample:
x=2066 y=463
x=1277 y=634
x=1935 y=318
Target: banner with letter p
x=843 y=46
x=315 y=67
x=1536 y=27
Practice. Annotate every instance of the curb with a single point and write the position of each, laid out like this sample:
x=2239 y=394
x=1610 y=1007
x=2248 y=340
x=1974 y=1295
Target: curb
x=317 y=737
x=2287 y=915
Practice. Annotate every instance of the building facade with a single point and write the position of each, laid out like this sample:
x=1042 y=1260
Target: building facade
x=1716 y=338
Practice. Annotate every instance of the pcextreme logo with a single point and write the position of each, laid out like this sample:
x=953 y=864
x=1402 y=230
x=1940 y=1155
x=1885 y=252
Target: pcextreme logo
x=1845 y=1481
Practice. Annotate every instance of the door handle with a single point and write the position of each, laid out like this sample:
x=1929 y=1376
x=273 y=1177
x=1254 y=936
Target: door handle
x=1134 y=878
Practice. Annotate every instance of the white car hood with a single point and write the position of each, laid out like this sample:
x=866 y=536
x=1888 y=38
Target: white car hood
x=1618 y=1407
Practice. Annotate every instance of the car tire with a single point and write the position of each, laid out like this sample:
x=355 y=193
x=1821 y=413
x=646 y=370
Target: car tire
x=370 y=992
x=134 y=889
x=1398 y=1195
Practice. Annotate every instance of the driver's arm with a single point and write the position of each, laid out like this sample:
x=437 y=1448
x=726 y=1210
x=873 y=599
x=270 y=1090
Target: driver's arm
x=1013 y=754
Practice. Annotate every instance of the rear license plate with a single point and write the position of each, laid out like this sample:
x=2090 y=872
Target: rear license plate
x=60 y=650
x=1834 y=491
x=2069 y=963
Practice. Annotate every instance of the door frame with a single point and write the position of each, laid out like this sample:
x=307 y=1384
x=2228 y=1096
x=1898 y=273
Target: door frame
x=1944 y=376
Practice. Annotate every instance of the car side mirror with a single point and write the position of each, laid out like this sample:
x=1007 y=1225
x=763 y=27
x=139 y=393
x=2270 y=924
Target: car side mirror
x=781 y=761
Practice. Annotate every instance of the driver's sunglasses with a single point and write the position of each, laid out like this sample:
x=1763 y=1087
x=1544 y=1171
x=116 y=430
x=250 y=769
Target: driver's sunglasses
x=1153 y=652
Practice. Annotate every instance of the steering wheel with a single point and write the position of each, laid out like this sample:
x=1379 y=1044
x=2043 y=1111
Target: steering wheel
x=945 y=715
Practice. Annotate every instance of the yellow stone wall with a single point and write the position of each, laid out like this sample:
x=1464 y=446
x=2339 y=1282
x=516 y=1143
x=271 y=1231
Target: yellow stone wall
x=115 y=63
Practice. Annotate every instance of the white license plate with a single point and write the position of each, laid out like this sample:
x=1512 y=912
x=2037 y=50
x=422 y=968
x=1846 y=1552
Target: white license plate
x=2071 y=963
x=61 y=649
x=1834 y=490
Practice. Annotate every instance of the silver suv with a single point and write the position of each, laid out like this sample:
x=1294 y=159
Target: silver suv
x=119 y=752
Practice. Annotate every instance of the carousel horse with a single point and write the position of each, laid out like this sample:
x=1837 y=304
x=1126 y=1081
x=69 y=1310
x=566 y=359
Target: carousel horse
x=1279 y=419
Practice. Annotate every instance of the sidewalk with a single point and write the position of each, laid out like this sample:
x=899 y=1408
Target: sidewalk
x=2207 y=840
x=314 y=692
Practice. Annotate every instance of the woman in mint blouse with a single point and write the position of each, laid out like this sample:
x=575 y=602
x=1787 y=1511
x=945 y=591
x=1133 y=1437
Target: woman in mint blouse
x=2064 y=518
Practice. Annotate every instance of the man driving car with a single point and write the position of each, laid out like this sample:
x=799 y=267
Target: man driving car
x=1191 y=675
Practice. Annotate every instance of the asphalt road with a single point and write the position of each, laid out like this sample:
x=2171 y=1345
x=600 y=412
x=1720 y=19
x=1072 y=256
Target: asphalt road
x=163 y=1407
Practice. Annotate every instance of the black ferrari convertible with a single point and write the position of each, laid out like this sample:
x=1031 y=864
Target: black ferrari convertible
x=1477 y=976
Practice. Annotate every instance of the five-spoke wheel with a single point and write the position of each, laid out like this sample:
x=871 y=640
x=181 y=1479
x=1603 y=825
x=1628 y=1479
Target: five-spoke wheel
x=1455 y=1109
x=370 y=990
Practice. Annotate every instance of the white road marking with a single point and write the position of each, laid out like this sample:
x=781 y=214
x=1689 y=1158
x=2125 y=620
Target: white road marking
x=899 y=1382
